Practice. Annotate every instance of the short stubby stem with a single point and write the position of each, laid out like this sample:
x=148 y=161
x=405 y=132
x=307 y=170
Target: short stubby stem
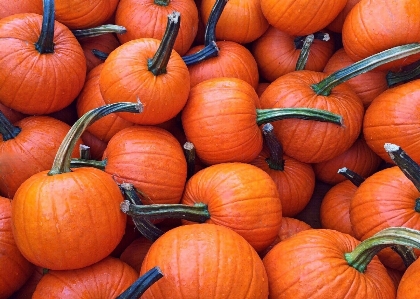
x=7 y=129
x=355 y=178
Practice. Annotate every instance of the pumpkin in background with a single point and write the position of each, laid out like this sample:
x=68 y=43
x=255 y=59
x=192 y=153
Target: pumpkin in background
x=8 y=8
x=27 y=290
x=336 y=25
x=205 y=261
x=134 y=253
x=51 y=60
x=16 y=270
x=12 y=115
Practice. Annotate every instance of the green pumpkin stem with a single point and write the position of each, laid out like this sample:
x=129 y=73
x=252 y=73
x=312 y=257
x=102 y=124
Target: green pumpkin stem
x=162 y=2
x=7 y=129
x=99 y=54
x=45 y=43
x=352 y=176
x=143 y=225
x=273 y=114
x=77 y=163
x=361 y=256
x=62 y=159
x=157 y=65
x=304 y=52
x=99 y=30
x=325 y=86
x=409 y=73
x=407 y=165
x=275 y=160
x=142 y=284
x=197 y=213
x=189 y=152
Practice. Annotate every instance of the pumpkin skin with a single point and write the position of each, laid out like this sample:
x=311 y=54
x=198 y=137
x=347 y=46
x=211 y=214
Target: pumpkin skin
x=133 y=152
x=107 y=278
x=393 y=117
x=68 y=231
x=276 y=54
x=408 y=286
x=12 y=115
x=27 y=290
x=216 y=112
x=246 y=15
x=313 y=141
x=312 y=16
x=319 y=269
x=134 y=253
x=222 y=188
x=66 y=67
x=364 y=35
x=337 y=24
x=16 y=269
x=8 y=8
x=147 y=18
x=204 y=261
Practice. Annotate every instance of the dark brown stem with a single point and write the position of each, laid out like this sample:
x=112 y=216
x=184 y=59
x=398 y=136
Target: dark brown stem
x=189 y=152
x=275 y=161
x=84 y=152
x=100 y=55
x=45 y=43
x=142 y=284
x=406 y=253
x=216 y=12
x=409 y=73
x=355 y=178
x=7 y=129
x=99 y=30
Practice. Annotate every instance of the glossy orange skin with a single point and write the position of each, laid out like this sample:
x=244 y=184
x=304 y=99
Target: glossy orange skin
x=276 y=54
x=394 y=117
x=90 y=98
x=16 y=269
x=295 y=184
x=364 y=33
x=335 y=207
x=359 y=158
x=241 y=197
x=313 y=141
x=311 y=264
x=145 y=18
x=38 y=93
x=233 y=60
x=367 y=86
x=301 y=17
x=106 y=279
x=151 y=159
x=74 y=218
x=125 y=78
x=31 y=151
x=386 y=198
x=241 y=21
x=408 y=287
x=8 y=8
x=205 y=261
x=220 y=119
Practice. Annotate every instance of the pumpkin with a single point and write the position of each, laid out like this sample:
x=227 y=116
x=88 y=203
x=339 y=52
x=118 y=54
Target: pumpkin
x=27 y=290
x=147 y=19
x=149 y=70
x=204 y=261
x=27 y=51
x=135 y=252
x=16 y=269
x=69 y=231
x=8 y=8
x=12 y=115
x=336 y=25
x=408 y=285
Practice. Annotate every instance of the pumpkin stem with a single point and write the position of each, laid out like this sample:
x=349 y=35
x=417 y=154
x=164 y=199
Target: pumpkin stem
x=407 y=165
x=275 y=160
x=208 y=51
x=100 y=55
x=143 y=225
x=142 y=284
x=304 y=52
x=417 y=205
x=7 y=129
x=62 y=159
x=300 y=40
x=162 y=2
x=409 y=73
x=273 y=114
x=361 y=256
x=45 y=43
x=325 y=86
x=353 y=177
x=406 y=253
x=157 y=65
x=84 y=152
x=77 y=163
x=99 y=30
x=189 y=152
x=197 y=213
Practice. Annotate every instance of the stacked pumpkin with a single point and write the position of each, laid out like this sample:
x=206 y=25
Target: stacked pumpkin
x=210 y=123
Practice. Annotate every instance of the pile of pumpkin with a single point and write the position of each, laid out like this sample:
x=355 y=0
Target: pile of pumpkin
x=184 y=137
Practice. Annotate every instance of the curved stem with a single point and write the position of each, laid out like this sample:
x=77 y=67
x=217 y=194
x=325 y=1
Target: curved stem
x=157 y=65
x=211 y=50
x=325 y=86
x=361 y=256
x=7 y=129
x=304 y=52
x=210 y=30
x=197 y=213
x=406 y=253
x=275 y=161
x=77 y=163
x=99 y=30
x=100 y=55
x=189 y=152
x=355 y=178
x=409 y=73
x=407 y=165
x=273 y=114
x=62 y=159
x=45 y=43
x=142 y=284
